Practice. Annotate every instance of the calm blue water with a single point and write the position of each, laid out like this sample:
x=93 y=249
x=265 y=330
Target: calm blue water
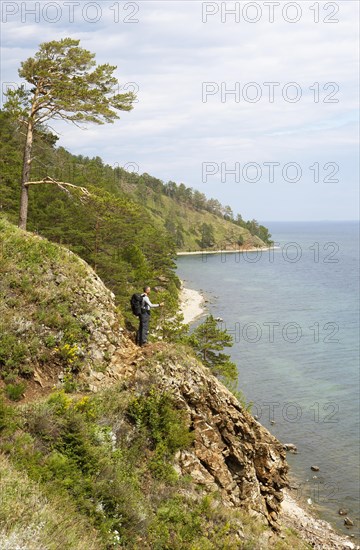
x=294 y=317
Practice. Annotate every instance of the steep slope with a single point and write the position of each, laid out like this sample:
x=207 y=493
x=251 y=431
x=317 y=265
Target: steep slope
x=56 y=315
x=30 y=520
x=157 y=415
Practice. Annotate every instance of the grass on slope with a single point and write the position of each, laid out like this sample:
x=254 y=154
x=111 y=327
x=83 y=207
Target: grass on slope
x=45 y=310
x=32 y=519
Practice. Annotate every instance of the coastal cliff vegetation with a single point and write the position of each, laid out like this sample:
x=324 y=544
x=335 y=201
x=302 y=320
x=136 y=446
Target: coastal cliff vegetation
x=111 y=446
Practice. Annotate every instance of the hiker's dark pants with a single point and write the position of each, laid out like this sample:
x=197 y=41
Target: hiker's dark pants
x=142 y=334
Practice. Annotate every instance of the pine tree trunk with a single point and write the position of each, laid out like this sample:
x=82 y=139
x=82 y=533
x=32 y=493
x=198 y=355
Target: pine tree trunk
x=24 y=199
x=96 y=243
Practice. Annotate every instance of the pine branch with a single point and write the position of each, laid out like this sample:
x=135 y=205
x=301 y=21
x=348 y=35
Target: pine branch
x=61 y=184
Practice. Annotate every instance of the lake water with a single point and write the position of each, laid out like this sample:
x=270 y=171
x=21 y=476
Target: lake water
x=293 y=313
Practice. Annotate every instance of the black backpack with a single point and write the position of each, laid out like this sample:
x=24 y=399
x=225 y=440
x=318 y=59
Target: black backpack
x=136 y=302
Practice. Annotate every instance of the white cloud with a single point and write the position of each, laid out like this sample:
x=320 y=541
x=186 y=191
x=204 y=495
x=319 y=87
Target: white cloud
x=170 y=52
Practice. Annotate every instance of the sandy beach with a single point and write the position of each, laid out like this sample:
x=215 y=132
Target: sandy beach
x=191 y=304
x=243 y=251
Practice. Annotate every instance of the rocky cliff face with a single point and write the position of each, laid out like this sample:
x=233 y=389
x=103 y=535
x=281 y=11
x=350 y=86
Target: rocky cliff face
x=232 y=453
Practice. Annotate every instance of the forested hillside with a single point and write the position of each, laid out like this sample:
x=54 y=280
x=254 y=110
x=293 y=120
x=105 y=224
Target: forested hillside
x=130 y=226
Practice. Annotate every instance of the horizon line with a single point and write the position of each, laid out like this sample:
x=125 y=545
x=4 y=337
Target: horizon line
x=309 y=221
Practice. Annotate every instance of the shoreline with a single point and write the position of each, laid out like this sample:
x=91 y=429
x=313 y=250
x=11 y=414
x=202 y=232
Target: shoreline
x=243 y=251
x=320 y=534
x=191 y=304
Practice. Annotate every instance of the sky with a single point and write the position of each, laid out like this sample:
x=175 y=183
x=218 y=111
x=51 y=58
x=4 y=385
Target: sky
x=252 y=103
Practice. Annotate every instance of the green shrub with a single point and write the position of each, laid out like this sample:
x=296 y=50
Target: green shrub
x=50 y=341
x=12 y=351
x=15 y=391
x=9 y=378
x=174 y=330
x=69 y=383
x=7 y=417
x=165 y=426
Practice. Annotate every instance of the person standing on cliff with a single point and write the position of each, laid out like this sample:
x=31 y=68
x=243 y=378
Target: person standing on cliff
x=144 y=317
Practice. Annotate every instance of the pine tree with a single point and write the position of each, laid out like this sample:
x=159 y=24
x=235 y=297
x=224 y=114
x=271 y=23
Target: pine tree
x=209 y=340
x=66 y=85
x=207 y=235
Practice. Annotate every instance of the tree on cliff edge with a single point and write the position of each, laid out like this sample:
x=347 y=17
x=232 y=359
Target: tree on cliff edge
x=208 y=341
x=66 y=85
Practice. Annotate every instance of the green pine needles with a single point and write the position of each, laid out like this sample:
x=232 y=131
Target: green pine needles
x=209 y=340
